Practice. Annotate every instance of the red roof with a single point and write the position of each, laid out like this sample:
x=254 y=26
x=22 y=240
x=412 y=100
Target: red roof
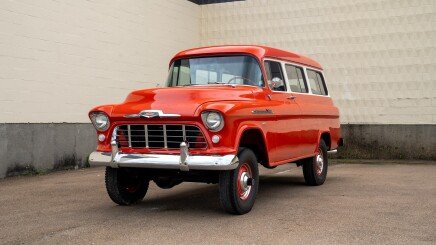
x=259 y=52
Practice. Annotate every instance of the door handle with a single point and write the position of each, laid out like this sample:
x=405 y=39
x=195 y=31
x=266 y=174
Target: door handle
x=292 y=98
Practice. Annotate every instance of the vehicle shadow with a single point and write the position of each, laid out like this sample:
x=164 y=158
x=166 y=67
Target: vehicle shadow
x=204 y=199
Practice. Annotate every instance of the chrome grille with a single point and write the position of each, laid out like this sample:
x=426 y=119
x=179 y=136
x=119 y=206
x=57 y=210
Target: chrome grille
x=159 y=136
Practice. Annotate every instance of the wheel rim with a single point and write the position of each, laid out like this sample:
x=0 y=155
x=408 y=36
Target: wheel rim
x=131 y=182
x=132 y=189
x=319 y=162
x=244 y=181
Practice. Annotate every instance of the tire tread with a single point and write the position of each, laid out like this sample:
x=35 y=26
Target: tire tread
x=114 y=189
x=228 y=187
x=309 y=173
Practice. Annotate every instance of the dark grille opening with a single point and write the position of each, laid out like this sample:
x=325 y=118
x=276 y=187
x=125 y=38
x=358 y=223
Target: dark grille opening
x=159 y=136
x=155 y=136
x=174 y=135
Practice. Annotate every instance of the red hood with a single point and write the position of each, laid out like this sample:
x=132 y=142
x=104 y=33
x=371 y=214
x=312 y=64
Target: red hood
x=180 y=100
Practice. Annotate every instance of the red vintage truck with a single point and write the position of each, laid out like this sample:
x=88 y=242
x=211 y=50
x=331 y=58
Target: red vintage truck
x=224 y=110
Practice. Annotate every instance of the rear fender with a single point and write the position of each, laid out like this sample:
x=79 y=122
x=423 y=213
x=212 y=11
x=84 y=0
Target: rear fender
x=320 y=133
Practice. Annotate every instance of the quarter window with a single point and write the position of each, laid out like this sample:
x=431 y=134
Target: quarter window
x=297 y=81
x=316 y=81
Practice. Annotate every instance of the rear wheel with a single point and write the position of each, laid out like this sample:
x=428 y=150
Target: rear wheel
x=315 y=168
x=238 y=188
x=125 y=186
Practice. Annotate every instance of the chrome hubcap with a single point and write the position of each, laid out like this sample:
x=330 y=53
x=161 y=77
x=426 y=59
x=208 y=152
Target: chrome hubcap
x=319 y=163
x=244 y=182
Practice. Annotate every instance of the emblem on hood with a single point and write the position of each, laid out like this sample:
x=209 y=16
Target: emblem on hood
x=151 y=114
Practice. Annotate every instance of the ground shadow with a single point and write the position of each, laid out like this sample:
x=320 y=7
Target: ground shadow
x=204 y=199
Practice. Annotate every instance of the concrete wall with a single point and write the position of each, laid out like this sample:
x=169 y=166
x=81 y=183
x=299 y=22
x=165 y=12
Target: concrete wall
x=379 y=55
x=35 y=147
x=28 y=148
x=58 y=59
x=389 y=141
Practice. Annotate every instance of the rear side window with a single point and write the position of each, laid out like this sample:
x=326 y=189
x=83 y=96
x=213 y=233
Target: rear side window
x=275 y=75
x=297 y=81
x=316 y=81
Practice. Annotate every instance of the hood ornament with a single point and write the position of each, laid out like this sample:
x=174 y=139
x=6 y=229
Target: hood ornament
x=151 y=114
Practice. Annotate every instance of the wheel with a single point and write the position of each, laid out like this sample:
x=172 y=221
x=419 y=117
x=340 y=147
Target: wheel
x=238 y=188
x=125 y=186
x=315 y=168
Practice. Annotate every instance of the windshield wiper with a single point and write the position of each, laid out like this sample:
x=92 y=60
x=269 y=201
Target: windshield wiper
x=217 y=83
x=225 y=84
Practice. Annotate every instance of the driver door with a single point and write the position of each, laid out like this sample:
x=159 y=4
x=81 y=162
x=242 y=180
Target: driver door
x=287 y=128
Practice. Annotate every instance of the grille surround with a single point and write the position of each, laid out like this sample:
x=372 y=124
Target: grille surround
x=159 y=136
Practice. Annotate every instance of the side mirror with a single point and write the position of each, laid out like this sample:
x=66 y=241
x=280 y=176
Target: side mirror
x=276 y=83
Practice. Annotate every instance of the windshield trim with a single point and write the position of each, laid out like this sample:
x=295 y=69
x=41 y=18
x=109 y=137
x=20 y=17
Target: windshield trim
x=216 y=56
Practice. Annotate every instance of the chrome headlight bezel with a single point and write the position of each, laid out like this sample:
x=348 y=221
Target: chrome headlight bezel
x=100 y=121
x=213 y=120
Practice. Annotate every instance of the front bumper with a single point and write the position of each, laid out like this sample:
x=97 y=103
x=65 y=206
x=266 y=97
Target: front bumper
x=183 y=162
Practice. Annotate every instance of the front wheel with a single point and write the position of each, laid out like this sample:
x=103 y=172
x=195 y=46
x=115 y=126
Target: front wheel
x=125 y=186
x=315 y=168
x=238 y=188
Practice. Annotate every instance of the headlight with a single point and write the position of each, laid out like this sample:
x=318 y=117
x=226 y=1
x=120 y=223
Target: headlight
x=213 y=120
x=100 y=121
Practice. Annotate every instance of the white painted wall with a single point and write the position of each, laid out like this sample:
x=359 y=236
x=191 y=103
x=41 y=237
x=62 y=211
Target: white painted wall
x=379 y=55
x=58 y=59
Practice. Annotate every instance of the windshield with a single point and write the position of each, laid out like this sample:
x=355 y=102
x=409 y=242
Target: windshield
x=242 y=70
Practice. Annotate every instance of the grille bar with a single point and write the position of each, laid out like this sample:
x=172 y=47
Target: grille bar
x=146 y=135
x=184 y=132
x=160 y=136
x=129 y=133
x=165 y=136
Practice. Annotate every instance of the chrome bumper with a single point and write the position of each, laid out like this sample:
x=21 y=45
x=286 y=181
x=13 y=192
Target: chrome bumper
x=183 y=162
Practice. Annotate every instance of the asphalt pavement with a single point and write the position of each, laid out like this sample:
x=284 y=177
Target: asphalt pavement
x=362 y=202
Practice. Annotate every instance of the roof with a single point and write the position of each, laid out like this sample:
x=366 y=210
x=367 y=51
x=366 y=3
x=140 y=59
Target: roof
x=259 y=52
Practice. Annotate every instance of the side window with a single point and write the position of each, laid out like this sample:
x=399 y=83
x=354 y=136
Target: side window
x=316 y=81
x=297 y=81
x=275 y=75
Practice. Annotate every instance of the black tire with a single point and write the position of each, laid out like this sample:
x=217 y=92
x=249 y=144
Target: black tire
x=233 y=198
x=314 y=174
x=125 y=186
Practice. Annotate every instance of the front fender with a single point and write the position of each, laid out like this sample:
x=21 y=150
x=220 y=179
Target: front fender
x=103 y=108
x=245 y=127
x=239 y=118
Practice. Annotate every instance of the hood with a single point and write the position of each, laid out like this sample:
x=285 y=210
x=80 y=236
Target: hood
x=180 y=100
